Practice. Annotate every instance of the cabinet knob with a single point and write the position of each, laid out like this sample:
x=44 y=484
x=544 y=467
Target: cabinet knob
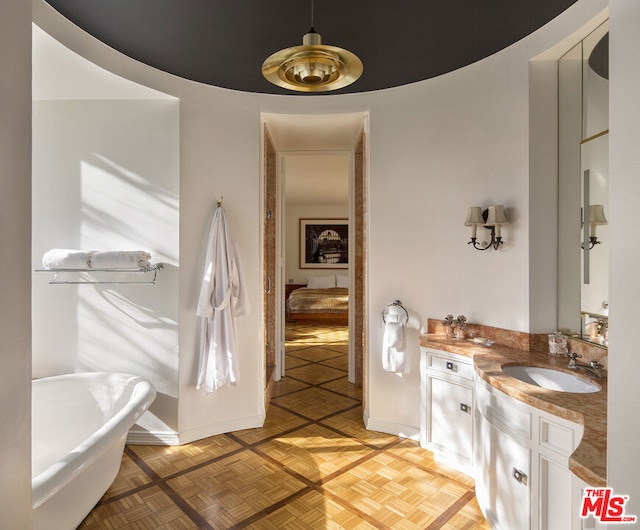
x=451 y=366
x=464 y=407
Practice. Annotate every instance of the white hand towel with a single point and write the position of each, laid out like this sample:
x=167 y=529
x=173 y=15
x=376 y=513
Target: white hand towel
x=120 y=259
x=66 y=258
x=394 y=335
x=394 y=355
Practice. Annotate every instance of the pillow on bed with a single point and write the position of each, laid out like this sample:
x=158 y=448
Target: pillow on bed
x=322 y=282
x=342 y=280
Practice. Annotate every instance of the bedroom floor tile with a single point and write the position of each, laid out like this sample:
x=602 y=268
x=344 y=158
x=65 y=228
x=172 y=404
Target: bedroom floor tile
x=312 y=466
x=340 y=363
x=315 y=402
x=314 y=355
x=343 y=387
x=315 y=374
x=288 y=385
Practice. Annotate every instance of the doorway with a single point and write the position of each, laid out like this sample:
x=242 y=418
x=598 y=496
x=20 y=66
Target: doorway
x=310 y=139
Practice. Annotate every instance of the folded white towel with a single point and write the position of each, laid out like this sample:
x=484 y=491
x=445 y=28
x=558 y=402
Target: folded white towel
x=120 y=259
x=394 y=355
x=66 y=258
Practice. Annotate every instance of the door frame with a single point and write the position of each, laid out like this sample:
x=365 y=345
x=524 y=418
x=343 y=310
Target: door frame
x=358 y=188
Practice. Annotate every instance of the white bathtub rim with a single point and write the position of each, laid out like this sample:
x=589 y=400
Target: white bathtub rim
x=59 y=474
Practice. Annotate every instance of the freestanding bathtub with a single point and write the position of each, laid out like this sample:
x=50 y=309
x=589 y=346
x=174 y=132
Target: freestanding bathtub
x=79 y=428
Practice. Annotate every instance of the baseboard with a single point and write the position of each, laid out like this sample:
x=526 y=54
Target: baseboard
x=390 y=427
x=143 y=437
x=153 y=438
x=212 y=429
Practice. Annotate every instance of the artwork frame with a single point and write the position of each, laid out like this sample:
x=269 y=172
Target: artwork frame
x=324 y=243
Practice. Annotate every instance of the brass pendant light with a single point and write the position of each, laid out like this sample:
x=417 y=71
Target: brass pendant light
x=312 y=67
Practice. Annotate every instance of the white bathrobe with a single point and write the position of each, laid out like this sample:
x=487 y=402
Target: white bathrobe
x=222 y=298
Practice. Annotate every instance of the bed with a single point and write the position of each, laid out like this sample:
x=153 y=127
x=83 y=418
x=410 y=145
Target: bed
x=319 y=304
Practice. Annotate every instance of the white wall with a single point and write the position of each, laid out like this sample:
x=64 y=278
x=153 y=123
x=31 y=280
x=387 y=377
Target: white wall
x=435 y=148
x=105 y=177
x=15 y=233
x=293 y=214
x=623 y=466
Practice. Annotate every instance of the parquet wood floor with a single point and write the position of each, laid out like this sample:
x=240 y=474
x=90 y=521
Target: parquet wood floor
x=312 y=465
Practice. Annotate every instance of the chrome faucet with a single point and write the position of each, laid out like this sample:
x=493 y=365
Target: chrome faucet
x=594 y=367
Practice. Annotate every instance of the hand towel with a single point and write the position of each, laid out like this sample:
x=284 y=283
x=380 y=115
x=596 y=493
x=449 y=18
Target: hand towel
x=120 y=259
x=394 y=335
x=394 y=355
x=66 y=258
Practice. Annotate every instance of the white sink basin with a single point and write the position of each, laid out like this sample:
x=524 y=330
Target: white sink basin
x=550 y=379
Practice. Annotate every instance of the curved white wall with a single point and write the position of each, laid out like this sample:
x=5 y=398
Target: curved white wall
x=436 y=147
x=15 y=233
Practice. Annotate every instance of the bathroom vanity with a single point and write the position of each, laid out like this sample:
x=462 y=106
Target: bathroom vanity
x=531 y=450
x=447 y=409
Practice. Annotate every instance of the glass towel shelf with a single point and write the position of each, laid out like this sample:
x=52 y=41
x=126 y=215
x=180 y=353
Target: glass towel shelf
x=151 y=269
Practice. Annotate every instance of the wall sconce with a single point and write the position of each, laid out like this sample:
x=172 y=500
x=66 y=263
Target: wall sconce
x=491 y=219
x=596 y=217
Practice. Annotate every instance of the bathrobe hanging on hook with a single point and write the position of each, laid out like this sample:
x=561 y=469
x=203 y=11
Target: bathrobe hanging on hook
x=223 y=297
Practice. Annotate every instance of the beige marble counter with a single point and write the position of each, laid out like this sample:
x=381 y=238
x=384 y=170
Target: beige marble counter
x=589 y=460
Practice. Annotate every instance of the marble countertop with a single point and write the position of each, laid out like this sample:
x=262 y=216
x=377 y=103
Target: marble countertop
x=589 y=461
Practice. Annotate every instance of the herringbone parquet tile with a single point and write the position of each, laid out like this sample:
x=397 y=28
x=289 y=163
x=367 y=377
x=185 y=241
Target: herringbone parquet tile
x=312 y=466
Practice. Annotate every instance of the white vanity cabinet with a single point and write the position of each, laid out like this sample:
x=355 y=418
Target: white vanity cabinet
x=589 y=522
x=447 y=405
x=523 y=481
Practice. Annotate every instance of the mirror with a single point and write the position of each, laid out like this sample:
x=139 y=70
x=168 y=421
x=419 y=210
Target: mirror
x=583 y=198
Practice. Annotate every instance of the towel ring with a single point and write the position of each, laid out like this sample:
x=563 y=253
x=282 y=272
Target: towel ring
x=395 y=303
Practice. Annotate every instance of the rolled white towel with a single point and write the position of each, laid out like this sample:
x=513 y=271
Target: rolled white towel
x=66 y=258
x=120 y=259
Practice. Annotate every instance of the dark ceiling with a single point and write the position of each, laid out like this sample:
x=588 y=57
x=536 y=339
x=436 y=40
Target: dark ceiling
x=224 y=42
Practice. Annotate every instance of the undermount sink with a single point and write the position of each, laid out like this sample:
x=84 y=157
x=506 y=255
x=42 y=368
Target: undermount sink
x=550 y=379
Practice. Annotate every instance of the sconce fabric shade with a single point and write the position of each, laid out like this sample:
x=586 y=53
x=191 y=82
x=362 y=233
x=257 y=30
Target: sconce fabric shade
x=474 y=216
x=596 y=215
x=491 y=218
x=497 y=216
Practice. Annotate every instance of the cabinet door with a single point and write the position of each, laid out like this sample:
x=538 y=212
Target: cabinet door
x=450 y=418
x=555 y=483
x=503 y=488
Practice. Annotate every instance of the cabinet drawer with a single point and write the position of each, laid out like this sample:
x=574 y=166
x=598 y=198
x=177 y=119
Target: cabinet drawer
x=450 y=364
x=503 y=412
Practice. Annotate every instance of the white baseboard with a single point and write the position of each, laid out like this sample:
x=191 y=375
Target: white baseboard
x=143 y=437
x=212 y=429
x=152 y=438
x=390 y=427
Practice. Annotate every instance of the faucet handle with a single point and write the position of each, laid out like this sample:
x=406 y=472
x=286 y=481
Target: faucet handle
x=573 y=355
x=596 y=365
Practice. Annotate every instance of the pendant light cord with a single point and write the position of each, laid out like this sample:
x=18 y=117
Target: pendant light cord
x=313 y=30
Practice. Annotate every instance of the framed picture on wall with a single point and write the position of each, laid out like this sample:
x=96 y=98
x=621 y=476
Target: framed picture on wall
x=324 y=243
